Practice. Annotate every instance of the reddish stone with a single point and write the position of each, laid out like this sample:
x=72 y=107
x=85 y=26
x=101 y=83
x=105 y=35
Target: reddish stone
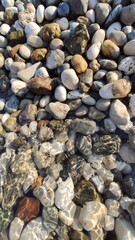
x=42 y=123
x=14 y=50
x=37 y=183
x=28 y=209
x=43 y=85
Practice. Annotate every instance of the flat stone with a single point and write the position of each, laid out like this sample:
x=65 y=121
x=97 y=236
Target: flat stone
x=35 y=41
x=6 y=217
x=29 y=72
x=114 y=27
x=113 y=15
x=70 y=79
x=58 y=110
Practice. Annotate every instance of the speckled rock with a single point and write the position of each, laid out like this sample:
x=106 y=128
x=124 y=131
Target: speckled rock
x=50 y=218
x=76 y=43
x=106 y=144
x=83 y=126
x=127 y=65
x=84 y=145
x=108 y=64
x=6 y=217
x=45 y=195
x=39 y=55
x=50 y=31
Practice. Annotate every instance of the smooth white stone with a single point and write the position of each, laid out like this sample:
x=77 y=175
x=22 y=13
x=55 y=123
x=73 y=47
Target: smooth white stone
x=2 y=16
x=88 y=171
x=35 y=41
x=63 y=23
x=70 y=79
x=2 y=60
x=76 y=224
x=92 y=4
x=124 y=230
x=64 y=193
x=3 y=42
x=40 y=14
x=29 y=72
x=67 y=216
x=127 y=153
x=25 y=51
x=33 y=126
x=125 y=202
x=109 y=223
x=60 y=93
x=17 y=25
x=42 y=72
x=8 y=63
x=118 y=113
x=88 y=100
x=90 y=14
x=4 y=29
x=103 y=104
x=127 y=29
x=106 y=91
x=18 y=87
x=58 y=110
x=132 y=105
x=44 y=101
x=99 y=183
x=50 y=13
x=100 y=74
x=16 y=227
x=75 y=94
x=2 y=103
x=99 y=36
x=92 y=214
x=116 y=26
x=17 y=66
x=7 y=3
x=31 y=29
x=93 y=51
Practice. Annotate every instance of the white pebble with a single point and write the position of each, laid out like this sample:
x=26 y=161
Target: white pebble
x=4 y=29
x=116 y=26
x=69 y=79
x=132 y=105
x=35 y=41
x=5 y=117
x=32 y=29
x=7 y=3
x=33 y=127
x=63 y=23
x=91 y=15
x=42 y=72
x=40 y=13
x=18 y=87
x=50 y=13
x=60 y=93
x=25 y=51
x=44 y=101
x=93 y=51
x=8 y=63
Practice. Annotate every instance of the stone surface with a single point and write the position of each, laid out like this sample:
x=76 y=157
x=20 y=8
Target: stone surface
x=125 y=227
x=55 y=58
x=110 y=50
x=127 y=153
x=41 y=85
x=129 y=47
x=6 y=217
x=70 y=79
x=84 y=145
x=28 y=114
x=58 y=110
x=83 y=126
x=16 y=228
x=127 y=65
x=50 y=31
x=79 y=63
x=102 y=11
x=45 y=195
x=118 y=37
x=127 y=15
x=50 y=218
x=78 y=7
x=29 y=72
x=60 y=93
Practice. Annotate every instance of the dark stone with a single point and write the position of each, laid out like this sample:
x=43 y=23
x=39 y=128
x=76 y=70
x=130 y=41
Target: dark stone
x=17 y=37
x=10 y=17
x=92 y=28
x=78 y=7
x=106 y=144
x=4 y=83
x=75 y=167
x=77 y=42
x=83 y=126
x=113 y=15
x=129 y=186
x=28 y=114
x=84 y=145
x=77 y=235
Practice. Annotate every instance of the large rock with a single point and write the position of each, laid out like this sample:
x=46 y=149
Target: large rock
x=43 y=85
x=58 y=110
x=128 y=14
x=124 y=230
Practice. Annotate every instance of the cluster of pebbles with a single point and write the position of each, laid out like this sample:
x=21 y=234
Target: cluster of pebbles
x=67 y=119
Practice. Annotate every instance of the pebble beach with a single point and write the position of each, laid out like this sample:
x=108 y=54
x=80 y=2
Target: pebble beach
x=67 y=120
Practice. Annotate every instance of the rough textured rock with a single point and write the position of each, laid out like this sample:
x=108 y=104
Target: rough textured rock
x=44 y=85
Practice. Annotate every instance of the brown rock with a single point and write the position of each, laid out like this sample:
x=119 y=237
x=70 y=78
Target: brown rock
x=14 y=50
x=11 y=124
x=121 y=88
x=50 y=31
x=28 y=209
x=42 y=123
x=94 y=65
x=39 y=55
x=43 y=85
x=37 y=183
x=79 y=63
x=110 y=49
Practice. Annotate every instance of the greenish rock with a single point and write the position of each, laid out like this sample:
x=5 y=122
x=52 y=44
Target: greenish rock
x=10 y=16
x=85 y=192
x=62 y=232
x=77 y=235
x=6 y=216
x=83 y=126
x=17 y=37
x=106 y=144
x=77 y=42
x=10 y=124
x=12 y=190
x=24 y=102
x=57 y=125
x=84 y=145
x=50 y=218
x=12 y=104
x=83 y=87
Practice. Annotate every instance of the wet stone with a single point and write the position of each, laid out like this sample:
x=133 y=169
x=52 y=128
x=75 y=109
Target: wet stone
x=78 y=235
x=84 y=145
x=84 y=192
x=129 y=186
x=50 y=218
x=6 y=217
x=15 y=229
x=106 y=144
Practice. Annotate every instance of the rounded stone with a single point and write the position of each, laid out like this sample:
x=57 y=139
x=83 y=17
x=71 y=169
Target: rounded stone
x=2 y=103
x=40 y=14
x=60 y=93
x=99 y=36
x=50 y=13
x=127 y=15
x=69 y=79
x=56 y=43
x=63 y=9
x=2 y=60
x=32 y=29
x=19 y=87
x=129 y=48
x=114 y=27
x=4 y=29
x=12 y=104
x=63 y=23
x=7 y=3
x=93 y=51
x=58 y=110
x=79 y=63
x=132 y=104
x=35 y=41
x=25 y=51
x=110 y=50
x=102 y=11
x=90 y=14
x=88 y=100
x=55 y=58
x=3 y=42
x=118 y=37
